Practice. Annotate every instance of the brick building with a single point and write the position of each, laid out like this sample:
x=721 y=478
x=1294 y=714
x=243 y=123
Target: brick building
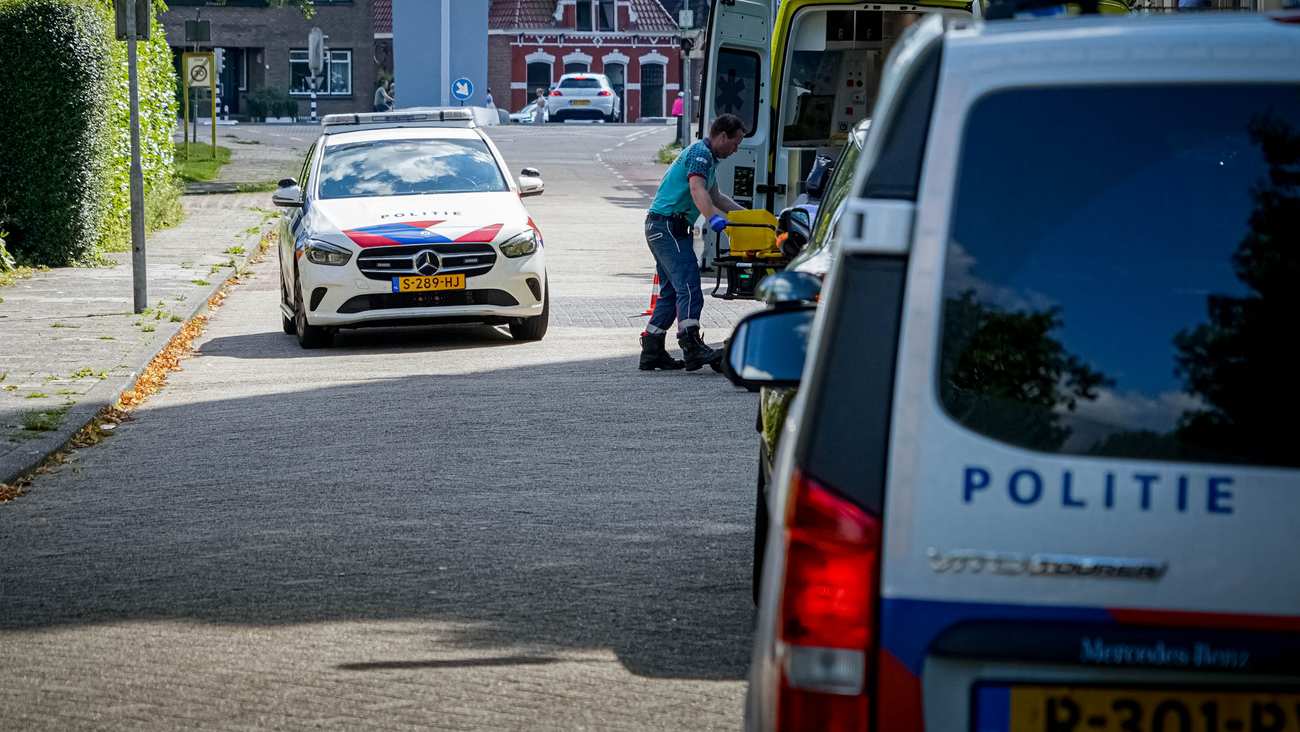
x=634 y=42
x=266 y=47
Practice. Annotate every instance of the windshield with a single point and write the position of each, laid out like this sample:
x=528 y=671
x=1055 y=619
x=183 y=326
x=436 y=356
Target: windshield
x=1122 y=293
x=409 y=168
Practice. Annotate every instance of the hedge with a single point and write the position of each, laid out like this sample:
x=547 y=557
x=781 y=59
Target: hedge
x=64 y=134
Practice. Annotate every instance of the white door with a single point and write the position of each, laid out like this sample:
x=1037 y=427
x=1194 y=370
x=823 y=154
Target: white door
x=736 y=82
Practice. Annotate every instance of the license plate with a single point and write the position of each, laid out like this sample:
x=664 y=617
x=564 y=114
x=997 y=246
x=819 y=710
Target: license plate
x=581 y=102
x=1087 y=708
x=429 y=284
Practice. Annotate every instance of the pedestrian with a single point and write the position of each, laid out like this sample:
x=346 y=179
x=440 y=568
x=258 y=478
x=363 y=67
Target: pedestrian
x=392 y=94
x=679 y=108
x=687 y=191
x=539 y=111
x=383 y=102
x=487 y=101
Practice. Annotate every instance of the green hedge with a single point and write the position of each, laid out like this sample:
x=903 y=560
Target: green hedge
x=64 y=134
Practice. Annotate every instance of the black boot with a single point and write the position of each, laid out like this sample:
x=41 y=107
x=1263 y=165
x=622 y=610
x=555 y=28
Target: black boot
x=696 y=352
x=655 y=356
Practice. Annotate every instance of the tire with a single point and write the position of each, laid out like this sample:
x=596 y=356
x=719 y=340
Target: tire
x=760 y=524
x=286 y=324
x=309 y=336
x=534 y=328
x=609 y=118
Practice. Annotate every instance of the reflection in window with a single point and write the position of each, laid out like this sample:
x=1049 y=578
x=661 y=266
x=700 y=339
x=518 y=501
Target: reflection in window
x=408 y=167
x=336 y=77
x=1128 y=294
x=735 y=86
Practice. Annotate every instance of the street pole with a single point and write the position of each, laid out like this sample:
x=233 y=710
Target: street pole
x=140 y=287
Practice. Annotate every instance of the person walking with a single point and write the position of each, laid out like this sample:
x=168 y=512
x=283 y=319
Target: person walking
x=383 y=102
x=688 y=190
x=487 y=101
x=539 y=111
x=679 y=108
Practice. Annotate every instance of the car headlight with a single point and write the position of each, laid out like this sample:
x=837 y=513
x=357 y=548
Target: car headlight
x=319 y=252
x=520 y=245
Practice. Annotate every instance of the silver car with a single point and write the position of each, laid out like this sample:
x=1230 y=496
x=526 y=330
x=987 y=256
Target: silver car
x=584 y=96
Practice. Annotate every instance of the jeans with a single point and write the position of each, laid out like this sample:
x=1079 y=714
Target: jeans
x=681 y=297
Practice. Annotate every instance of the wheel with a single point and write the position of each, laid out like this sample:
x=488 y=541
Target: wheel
x=760 y=524
x=609 y=118
x=309 y=336
x=532 y=329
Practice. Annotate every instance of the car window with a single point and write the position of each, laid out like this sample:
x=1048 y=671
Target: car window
x=587 y=83
x=408 y=167
x=305 y=175
x=735 y=86
x=1127 y=292
x=838 y=189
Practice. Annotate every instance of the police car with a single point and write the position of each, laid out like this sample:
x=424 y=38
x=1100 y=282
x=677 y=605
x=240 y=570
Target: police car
x=1040 y=473
x=409 y=218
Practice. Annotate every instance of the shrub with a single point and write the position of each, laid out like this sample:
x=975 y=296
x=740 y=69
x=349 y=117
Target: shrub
x=288 y=106
x=53 y=128
x=65 y=161
x=262 y=103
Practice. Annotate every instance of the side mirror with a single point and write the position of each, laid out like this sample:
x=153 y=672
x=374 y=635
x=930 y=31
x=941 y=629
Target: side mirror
x=768 y=348
x=784 y=288
x=531 y=183
x=288 y=195
x=796 y=224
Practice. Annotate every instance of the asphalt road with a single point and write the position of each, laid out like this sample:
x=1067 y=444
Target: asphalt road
x=423 y=528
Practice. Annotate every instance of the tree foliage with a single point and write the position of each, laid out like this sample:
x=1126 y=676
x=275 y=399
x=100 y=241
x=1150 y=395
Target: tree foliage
x=1004 y=375
x=1241 y=361
x=65 y=159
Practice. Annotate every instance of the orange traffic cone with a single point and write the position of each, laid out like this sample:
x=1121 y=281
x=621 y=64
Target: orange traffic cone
x=654 y=295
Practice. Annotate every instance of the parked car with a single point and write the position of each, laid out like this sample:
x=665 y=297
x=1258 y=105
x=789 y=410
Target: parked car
x=526 y=115
x=815 y=245
x=408 y=218
x=1036 y=474
x=584 y=96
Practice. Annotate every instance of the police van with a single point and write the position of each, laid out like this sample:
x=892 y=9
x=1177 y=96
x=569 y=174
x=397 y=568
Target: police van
x=1041 y=472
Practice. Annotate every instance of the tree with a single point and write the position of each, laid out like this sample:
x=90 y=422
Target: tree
x=1242 y=361
x=1004 y=375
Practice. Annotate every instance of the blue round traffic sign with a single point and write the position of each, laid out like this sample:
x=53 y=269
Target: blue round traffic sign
x=462 y=89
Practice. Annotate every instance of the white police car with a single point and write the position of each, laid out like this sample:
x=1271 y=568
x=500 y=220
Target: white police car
x=1041 y=472
x=407 y=218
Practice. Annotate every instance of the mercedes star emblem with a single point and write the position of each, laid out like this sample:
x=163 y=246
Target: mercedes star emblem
x=426 y=262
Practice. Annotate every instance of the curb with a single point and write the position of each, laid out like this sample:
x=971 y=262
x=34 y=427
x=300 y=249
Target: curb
x=22 y=461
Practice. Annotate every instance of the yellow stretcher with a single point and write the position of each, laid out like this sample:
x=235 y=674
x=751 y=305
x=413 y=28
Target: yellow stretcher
x=753 y=252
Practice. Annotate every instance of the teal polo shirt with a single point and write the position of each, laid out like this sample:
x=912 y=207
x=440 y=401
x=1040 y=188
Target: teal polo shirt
x=674 y=195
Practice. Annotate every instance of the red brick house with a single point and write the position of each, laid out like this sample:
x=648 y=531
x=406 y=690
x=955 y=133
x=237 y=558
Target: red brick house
x=634 y=42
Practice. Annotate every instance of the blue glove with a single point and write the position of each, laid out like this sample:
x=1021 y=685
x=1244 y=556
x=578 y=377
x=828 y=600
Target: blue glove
x=718 y=222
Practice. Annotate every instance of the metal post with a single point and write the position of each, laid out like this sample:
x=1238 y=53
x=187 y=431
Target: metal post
x=141 y=293
x=312 y=80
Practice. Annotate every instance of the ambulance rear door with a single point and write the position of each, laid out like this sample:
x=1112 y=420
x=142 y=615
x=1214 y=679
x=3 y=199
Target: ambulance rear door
x=736 y=82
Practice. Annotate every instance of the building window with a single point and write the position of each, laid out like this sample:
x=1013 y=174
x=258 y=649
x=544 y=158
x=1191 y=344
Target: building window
x=577 y=67
x=584 y=15
x=652 y=90
x=338 y=73
x=608 y=15
x=539 y=77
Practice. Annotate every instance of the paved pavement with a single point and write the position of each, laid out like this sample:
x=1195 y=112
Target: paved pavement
x=258 y=153
x=70 y=340
x=418 y=528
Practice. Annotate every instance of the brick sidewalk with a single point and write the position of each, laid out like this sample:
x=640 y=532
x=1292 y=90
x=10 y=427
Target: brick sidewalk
x=68 y=338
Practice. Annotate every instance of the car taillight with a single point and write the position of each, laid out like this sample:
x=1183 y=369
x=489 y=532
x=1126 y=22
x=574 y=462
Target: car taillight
x=556 y=93
x=605 y=93
x=828 y=611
